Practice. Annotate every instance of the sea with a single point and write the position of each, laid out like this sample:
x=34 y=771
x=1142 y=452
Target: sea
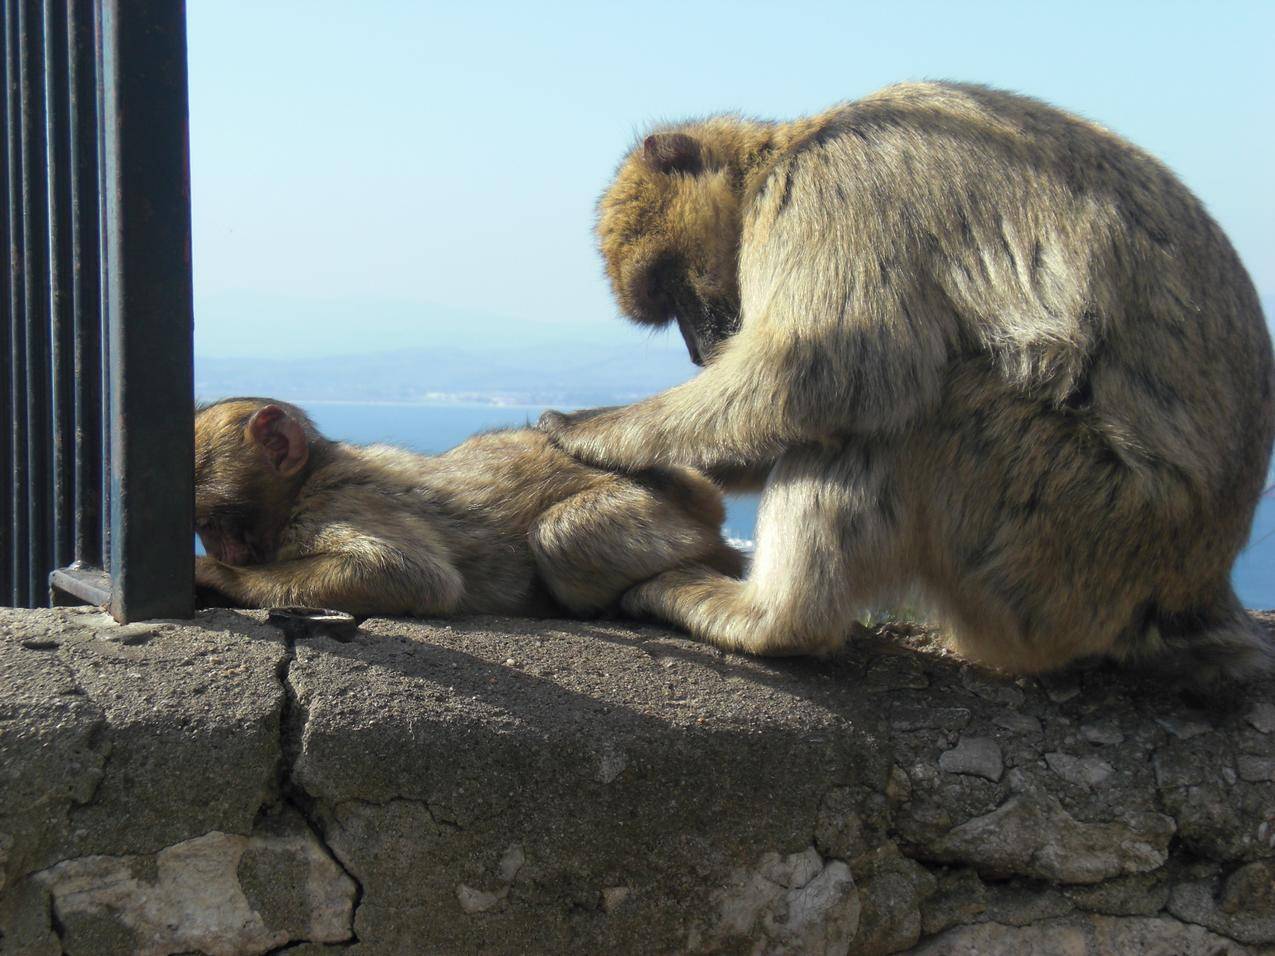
x=434 y=428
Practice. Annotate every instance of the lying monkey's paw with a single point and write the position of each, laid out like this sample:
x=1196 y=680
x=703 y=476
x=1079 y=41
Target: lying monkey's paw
x=209 y=572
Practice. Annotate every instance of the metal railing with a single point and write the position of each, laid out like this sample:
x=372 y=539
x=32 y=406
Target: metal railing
x=96 y=437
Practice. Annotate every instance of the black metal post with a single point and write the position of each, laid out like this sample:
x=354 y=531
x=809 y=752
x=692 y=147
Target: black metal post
x=149 y=308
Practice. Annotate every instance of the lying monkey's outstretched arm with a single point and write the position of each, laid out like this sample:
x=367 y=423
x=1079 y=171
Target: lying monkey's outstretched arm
x=370 y=579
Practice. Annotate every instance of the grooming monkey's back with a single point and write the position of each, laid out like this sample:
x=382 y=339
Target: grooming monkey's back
x=1031 y=324
x=1113 y=398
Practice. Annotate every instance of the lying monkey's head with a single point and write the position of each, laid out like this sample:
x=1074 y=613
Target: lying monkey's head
x=669 y=228
x=250 y=459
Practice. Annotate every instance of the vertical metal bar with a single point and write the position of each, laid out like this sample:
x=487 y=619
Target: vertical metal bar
x=17 y=358
x=6 y=394
x=149 y=312
x=104 y=356
x=86 y=287
x=35 y=303
x=62 y=330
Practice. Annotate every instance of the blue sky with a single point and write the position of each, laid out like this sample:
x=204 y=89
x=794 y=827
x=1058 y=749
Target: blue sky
x=378 y=175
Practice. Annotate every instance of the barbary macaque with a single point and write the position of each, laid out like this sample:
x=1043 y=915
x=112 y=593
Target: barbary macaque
x=504 y=523
x=976 y=348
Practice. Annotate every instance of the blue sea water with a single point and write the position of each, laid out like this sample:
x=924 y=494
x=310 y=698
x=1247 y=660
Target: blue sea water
x=435 y=428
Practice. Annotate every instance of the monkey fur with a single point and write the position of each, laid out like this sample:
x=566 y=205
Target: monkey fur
x=977 y=349
x=503 y=523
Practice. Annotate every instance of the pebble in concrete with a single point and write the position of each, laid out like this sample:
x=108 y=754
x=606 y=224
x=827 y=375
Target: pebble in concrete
x=613 y=897
x=479 y=901
x=1080 y=771
x=1102 y=732
x=980 y=756
x=130 y=634
x=1262 y=716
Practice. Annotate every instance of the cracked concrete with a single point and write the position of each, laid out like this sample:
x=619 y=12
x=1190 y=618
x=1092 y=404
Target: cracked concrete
x=519 y=786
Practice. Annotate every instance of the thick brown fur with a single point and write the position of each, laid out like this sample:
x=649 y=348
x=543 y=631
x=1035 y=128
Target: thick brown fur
x=503 y=523
x=978 y=347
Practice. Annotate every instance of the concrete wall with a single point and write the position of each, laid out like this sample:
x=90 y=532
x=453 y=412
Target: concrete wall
x=504 y=786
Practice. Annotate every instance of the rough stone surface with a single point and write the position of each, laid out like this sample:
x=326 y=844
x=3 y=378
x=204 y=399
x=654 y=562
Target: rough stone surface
x=1032 y=834
x=1083 y=935
x=218 y=893
x=506 y=786
x=980 y=756
x=800 y=903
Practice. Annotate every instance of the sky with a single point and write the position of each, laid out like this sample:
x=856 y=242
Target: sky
x=378 y=175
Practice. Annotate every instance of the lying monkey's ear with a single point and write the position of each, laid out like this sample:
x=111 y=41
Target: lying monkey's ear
x=673 y=152
x=281 y=439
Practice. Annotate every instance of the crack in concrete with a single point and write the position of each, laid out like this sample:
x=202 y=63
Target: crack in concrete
x=99 y=740
x=292 y=793
x=55 y=927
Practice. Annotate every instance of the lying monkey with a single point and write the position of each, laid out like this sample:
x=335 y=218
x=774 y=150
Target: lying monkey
x=503 y=523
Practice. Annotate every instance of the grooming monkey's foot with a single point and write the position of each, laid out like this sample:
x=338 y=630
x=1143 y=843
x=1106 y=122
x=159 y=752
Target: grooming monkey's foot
x=720 y=610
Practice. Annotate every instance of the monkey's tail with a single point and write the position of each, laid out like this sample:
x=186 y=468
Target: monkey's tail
x=1206 y=649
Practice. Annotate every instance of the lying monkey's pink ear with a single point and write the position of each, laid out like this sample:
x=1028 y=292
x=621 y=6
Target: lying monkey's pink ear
x=673 y=152
x=281 y=438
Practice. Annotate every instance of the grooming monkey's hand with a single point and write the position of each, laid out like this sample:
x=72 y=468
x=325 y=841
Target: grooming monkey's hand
x=589 y=435
x=554 y=422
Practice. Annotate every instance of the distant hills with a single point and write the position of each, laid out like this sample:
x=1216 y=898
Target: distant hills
x=558 y=373
x=386 y=351
x=461 y=357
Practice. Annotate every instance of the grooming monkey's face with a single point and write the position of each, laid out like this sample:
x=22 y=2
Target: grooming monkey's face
x=669 y=231
x=249 y=457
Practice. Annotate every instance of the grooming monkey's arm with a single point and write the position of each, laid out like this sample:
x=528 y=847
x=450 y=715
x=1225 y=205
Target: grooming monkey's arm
x=741 y=479
x=720 y=420
x=361 y=583
x=758 y=398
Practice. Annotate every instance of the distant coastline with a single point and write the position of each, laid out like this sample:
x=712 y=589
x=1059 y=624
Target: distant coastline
x=431 y=402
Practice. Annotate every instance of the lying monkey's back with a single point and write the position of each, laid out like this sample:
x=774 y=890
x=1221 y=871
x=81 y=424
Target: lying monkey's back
x=479 y=501
x=498 y=479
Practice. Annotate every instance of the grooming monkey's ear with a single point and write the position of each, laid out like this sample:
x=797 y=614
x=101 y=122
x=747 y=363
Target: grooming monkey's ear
x=673 y=152
x=281 y=439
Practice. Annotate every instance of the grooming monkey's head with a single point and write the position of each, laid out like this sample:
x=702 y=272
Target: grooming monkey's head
x=250 y=459
x=669 y=228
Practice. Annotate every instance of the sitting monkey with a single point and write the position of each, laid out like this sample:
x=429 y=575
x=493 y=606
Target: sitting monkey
x=503 y=523
x=973 y=346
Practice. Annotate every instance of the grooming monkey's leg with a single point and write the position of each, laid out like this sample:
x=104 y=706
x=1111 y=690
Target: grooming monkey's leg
x=594 y=545
x=827 y=542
